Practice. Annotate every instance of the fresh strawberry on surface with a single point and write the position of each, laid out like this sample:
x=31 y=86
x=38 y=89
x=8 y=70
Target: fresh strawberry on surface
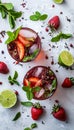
x=36 y=111
x=3 y=68
x=68 y=82
x=54 y=23
x=59 y=113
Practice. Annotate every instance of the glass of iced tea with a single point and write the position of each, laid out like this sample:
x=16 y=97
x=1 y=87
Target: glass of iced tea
x=43 y=77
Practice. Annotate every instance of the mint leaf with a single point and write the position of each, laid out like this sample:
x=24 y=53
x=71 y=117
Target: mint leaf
x=61 y=36
x=37 y=13
x=3 y=13
x=12 y=35
x=17 y=116
x=8 y=6
x=12 y=80
x=11 y=21
x=66 y=36
x=27 y=128
x=34 y=125
x=54 y=83
x=15 y=75
x=38 y=16
x=32 y=56
x=34 y=18
x=36 y=89
x=43 y=17
x=27 y=104
x=29 y=95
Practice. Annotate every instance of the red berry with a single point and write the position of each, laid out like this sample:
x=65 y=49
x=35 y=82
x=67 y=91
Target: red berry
x=3 y=68
x=16 y=92
x=59 y=113
x=67 y=83
x=36 y=111
x=54 y=22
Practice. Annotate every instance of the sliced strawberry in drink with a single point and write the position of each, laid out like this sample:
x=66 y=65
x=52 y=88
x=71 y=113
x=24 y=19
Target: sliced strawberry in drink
x=25 y=42
x=26 y=82
x=35 y=81
x=20 y=48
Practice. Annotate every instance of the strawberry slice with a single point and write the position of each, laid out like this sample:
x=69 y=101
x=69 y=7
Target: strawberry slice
x=26 y=82
x=35 y=81
x=25 y=41
x=21 y=49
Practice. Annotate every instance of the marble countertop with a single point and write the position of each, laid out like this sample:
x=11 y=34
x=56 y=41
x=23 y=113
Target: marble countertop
x=65 y=12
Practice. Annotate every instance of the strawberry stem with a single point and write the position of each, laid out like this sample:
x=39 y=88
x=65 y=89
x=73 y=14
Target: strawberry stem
x=72 y=80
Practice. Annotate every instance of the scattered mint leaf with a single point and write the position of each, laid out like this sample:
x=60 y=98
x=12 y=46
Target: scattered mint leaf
x=61 y=36
x=38 y=16
x=43 y=17
x=27 y=104
x=12 y=35
x=32 y=56
x=27 y=128
x=12 y=80
x=34 y=125
x=29 y=91
x=7 y=9
x=17 y=116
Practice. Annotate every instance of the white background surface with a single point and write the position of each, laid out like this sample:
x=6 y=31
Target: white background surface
x=65 y=96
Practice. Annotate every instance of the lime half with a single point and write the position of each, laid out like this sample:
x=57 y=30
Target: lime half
x=66 y=58
x=58 y=1
x=8 y=98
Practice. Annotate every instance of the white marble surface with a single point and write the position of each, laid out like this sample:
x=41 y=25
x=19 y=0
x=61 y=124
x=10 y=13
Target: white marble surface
x=65 y=96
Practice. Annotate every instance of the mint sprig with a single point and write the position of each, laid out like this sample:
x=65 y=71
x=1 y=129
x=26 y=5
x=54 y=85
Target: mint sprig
x=7 y=10
x=38 y=16
x=61 y=36
x=30 y=90
x=13 y=80
x=12 y=35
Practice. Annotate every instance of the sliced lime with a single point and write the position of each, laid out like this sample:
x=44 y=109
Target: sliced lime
x=58 y=1
x=66 y=58
x=8 y=98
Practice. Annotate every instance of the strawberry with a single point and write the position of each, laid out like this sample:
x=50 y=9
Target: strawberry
x=3 y=68
x=59 y=112
x=36 y=111
x=54 y=22
x=68 y=82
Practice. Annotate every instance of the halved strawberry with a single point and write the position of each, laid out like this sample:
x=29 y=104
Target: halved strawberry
x=25 y=42
x=21 y=49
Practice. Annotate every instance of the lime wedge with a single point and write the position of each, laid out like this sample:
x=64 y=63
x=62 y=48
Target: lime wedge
x=58 y=1
x=8 y=98
x=66 y=58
